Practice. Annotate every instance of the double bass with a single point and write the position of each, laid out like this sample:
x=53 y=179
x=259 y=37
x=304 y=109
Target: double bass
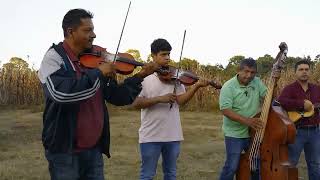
x=268 y=150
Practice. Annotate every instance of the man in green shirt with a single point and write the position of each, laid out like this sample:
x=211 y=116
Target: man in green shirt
x=240 y=100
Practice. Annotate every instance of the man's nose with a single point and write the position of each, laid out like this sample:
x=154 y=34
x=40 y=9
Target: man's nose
x=93 y=35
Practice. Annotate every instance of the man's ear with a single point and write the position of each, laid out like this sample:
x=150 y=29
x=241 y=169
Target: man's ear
x=69 y=31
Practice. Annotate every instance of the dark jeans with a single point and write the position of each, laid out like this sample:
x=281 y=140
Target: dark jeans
x=234 y=148
x=85 y=165
x=307 y=139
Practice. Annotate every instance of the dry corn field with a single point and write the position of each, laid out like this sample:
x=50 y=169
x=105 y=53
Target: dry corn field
x=19 y=85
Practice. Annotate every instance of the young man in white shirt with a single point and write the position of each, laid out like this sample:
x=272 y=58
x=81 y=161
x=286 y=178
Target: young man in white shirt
x=160 y=131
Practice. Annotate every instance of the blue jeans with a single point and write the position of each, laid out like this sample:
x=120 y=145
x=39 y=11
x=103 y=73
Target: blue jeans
x=309 y=141
x=150 y=153
x=234 y=148
x=85 y=165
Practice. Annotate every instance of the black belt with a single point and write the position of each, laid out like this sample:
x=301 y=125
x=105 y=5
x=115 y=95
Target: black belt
x=309 y=126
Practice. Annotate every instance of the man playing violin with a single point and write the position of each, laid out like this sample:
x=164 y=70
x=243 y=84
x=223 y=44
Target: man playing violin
x=75 y=120
x=160 y=132
x=301 y=96
x=240 y=100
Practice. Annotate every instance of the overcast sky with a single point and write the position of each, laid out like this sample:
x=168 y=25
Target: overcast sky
x=216 y=29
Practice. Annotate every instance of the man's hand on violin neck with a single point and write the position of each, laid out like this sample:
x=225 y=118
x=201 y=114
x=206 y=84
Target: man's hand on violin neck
x=148 y=69
x=203 y=83
x=108 y=69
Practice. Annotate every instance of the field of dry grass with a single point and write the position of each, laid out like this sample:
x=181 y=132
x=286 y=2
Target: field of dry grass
x=201 y=157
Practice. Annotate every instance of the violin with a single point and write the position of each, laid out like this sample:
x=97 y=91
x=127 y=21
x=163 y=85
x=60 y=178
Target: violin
x=124 y=62
x=188 y=78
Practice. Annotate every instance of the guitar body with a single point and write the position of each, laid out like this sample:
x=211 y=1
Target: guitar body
x=296 y=115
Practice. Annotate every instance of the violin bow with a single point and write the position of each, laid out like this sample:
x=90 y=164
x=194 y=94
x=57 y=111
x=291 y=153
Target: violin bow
x=117 y=51
x=177 y=74
x=124 y=24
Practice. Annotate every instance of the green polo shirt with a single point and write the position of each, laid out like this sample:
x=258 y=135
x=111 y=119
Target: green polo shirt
x=244 y=100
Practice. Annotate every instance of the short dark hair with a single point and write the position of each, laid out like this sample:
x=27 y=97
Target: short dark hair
x=73 y=19
x=301 y=62
x=160 y=45
x=249 y=62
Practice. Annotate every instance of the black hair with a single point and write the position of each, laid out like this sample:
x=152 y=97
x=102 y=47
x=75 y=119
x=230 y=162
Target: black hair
x=73 y=19
x=301 y=62
x=249 y=62
x=160 y=45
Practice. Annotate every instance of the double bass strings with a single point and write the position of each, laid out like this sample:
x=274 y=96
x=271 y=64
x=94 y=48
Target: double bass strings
x=255 y=149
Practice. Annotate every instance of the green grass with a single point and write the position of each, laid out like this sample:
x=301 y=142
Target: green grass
x=202 y=153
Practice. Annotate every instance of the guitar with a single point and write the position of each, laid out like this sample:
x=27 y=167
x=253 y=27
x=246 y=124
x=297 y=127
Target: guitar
x=297 y=115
